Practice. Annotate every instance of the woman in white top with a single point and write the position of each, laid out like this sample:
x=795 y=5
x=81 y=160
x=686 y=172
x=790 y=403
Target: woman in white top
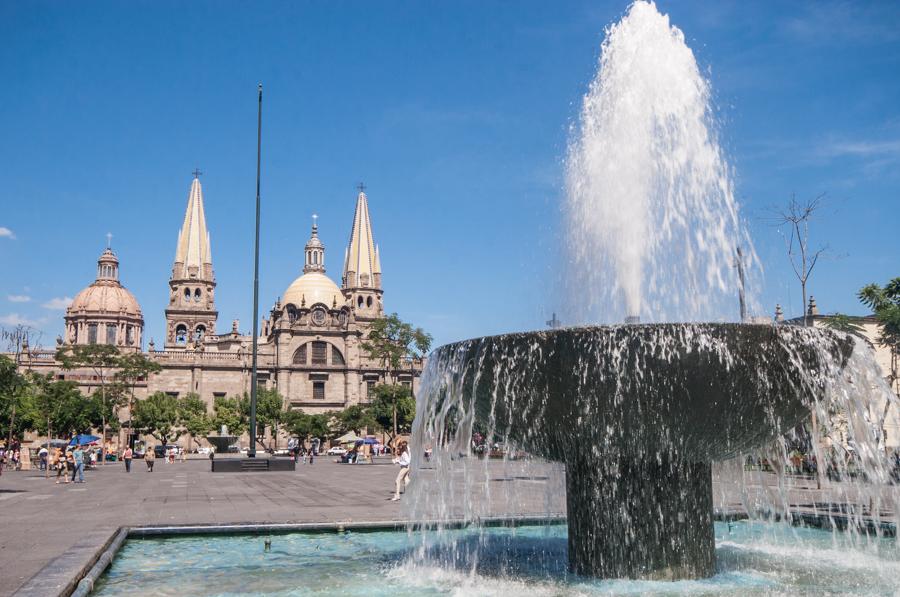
x=403 y=476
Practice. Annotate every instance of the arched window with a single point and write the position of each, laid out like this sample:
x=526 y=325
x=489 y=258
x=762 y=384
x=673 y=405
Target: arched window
x=110 y=333
x=92 y=333
x=187 y=294
x=197 y=295
x=292 y=313
x=336 y=357
x=359 y=301
x=300 y=356
x=369 y=302
x=199 y=332
x=181 y=334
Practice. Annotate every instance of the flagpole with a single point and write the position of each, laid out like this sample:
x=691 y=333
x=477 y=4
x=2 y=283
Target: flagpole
x=251 y=453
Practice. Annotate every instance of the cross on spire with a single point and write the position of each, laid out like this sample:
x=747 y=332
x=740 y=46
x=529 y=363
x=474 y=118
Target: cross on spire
x=109 y=240
x=197 y=172
x=361 y=187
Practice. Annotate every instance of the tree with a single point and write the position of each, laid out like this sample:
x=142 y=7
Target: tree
x=13 y=398
x=885 y=303
x=160 y=416
x=796 y=216
x=354 y=418
x=307 y=426
x=194 y=417
x=59 y=407
x=134 y=367
x=393 y=409
x=390 y=342
x=230 y=412
x=269 y=411
x=846 y=324
x=101 y=359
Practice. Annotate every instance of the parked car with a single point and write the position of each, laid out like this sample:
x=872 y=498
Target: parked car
x=336 y=451
x=205 y=450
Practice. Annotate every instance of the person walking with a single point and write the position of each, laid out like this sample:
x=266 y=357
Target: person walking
x=43 y=455
x=127 y=456
x=403 y=476
x=149 y=458
x=312 y=453
x=78 y=457
x=61 y=468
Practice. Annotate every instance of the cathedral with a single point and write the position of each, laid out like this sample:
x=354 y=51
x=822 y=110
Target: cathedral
x=310 y=343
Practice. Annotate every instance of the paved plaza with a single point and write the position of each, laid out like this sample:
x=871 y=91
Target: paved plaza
x=41 y=521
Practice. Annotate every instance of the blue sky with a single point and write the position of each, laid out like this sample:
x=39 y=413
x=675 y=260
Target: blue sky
x=456 y=116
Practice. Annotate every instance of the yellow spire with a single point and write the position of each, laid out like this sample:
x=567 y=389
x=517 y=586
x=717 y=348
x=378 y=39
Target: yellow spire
x=362 y=265
x=193 y=258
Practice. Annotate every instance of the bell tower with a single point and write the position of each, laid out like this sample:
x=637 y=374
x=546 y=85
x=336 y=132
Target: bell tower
x=361 y=282
x=191 y=313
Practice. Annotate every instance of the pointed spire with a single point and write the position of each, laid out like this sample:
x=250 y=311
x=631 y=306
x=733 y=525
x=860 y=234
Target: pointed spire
x=193 y=258
x=362 y=264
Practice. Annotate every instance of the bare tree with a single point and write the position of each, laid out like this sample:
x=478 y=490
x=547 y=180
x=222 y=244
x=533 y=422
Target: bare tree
x=796 y=216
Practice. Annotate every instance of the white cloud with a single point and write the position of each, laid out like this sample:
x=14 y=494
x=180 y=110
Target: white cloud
x=18 y=298
x=6 y=233
x=862 y=148
x=14 y=319
x=58 y=303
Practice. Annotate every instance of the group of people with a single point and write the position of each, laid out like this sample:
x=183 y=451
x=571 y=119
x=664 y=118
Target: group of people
x=70 y=464
x=149 y=458
x=11 y=456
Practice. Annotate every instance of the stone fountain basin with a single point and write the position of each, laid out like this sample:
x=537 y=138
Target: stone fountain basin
x=702 y=391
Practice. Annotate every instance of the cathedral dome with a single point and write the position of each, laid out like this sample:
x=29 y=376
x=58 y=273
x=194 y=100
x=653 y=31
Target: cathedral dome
x=105 y=311
x=106 y=294
x=312 y=288
x=103 y=296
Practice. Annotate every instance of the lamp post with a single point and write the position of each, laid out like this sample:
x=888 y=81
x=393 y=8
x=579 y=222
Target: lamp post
x=251 y=453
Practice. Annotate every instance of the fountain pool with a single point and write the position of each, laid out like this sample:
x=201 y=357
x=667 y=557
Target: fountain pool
x=753 y=559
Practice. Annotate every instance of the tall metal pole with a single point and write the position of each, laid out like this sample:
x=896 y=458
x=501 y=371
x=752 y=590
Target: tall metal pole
x=740 y=268
x=251 y=453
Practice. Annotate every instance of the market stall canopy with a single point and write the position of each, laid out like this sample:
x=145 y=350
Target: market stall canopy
x=348 y=438
x=83 y=440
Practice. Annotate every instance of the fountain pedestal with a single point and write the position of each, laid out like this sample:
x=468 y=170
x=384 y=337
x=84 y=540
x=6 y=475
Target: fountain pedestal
x=637 y=413
x=640 y=519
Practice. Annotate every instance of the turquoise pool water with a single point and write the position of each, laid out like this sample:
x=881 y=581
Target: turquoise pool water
x=753 y=559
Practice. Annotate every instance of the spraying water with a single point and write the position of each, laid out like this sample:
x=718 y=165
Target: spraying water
x=658 y=426
x=653 y=225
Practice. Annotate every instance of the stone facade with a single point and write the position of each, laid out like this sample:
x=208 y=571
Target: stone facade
x=309 y=347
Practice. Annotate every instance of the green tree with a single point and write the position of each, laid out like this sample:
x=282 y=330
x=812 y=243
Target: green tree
x=160 y=416
x=194 y=417
x=846 y=324
x=307 y=426
x=269 y=412
x=885 y=304
x=14 y=396
x=102 y=359
x=134 y=367
x=391 y=342
x=393 y=409
x=231 y=412
x=354 y=418
x=57 y=407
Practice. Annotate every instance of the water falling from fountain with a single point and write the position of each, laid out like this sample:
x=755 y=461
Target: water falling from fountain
x=638 y=413
x=651 y=220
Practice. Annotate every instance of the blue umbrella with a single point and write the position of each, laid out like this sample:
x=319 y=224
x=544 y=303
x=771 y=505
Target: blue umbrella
x=82 y=440
x=371 y=441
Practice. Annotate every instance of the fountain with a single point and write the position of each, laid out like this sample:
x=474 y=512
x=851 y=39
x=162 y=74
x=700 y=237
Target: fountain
x=222 y=442
x=639 y=412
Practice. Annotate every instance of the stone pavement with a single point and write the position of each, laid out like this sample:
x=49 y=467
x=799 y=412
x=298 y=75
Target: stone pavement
x=40 y=521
